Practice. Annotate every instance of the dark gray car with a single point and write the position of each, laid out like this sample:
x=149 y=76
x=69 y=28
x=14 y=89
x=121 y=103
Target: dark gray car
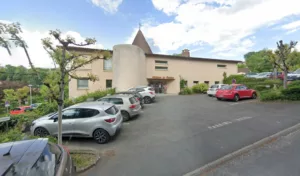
x=35 y=157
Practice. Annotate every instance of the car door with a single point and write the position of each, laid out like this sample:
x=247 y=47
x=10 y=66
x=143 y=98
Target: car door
x=68 y=118
x=247 y=92
x=83 y=122
x=117 y=101
x=239 y=91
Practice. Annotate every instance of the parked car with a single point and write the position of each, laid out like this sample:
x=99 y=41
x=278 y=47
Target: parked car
x=98 y=120
x=235 y=92
x=35 y=105
x=213 y=89
x=147 y=92
x=263 y=75
x=279 y=75
x=128 y=105
x=135 y=94
x=250 y=75
x=20 y=110
x=35 y=157
x=294 y=74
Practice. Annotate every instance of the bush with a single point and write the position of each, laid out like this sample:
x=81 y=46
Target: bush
x=200 y=88
x=270 y=95
x=294 y=84
x=292 y=93
x=46 y=108
x=186 y=91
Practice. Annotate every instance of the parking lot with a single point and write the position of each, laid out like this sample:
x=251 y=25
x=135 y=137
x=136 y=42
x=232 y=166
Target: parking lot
x=178 y=134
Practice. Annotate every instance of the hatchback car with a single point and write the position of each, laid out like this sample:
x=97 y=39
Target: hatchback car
x=99 y=120
x=35 y=157
x=147 y=92
x=135 y=94
x=20 y=110
x=128 y=105
x=213 y=89
x=235 y=92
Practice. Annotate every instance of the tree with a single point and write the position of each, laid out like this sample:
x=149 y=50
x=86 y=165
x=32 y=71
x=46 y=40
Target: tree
x=257 y=61
x=21 y=93
x=67 y=62
x=9 y=95
x=241 y=65
x=283 y=53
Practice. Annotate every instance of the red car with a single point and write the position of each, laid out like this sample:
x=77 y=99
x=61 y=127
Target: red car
x=235 y=92
x=20 y=110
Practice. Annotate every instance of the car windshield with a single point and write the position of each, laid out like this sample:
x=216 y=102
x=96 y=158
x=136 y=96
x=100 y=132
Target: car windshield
x=227 y=87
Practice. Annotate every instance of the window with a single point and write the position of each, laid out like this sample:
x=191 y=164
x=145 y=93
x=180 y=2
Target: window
x=108 y=83
x=195 y=82
x=70 y=114
x=227 y=87
x=112 y=110
x=217 y=82
x=206 y=82
x=214 y=86
x=107 y=64
x=85 y=113
x=161 y=62
x=221 y=66
x=161 y=68
x=116 y=101
x=82 y=83
x=132 y=100
x=140 y=90
x=104 y=100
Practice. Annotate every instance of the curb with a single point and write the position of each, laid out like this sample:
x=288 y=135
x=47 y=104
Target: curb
x=81 y=170
x=210 y=166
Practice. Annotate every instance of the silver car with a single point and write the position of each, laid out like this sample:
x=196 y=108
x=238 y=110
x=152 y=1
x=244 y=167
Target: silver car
x=128 y=104
x=98 y=120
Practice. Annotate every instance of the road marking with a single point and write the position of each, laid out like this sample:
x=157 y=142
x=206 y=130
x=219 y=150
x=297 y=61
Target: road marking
x=232 y=104
x=228 y=122
x=243 y=118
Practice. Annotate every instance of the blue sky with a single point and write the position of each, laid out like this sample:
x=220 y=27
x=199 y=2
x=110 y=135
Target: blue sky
x=225 y=29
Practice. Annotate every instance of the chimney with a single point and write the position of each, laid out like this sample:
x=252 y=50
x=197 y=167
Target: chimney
x=185 y=53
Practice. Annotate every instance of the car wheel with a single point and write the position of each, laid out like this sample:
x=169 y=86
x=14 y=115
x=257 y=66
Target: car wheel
x=147 y=100
x=41 y=132
x=236 y=97
x=254 y=96
x=219 y=98
x=125 y=116
x=101 y=136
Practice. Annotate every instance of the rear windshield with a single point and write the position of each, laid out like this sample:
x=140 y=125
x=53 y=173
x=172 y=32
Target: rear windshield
x=214 y=86
x=112 y=110
x=132 y=100
x=151 y=89
x=227 y=87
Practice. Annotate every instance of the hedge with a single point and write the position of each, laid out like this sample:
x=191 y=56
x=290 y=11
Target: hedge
x=200 y=88
x=291 y=93
x=270 y=95
x=186 y=91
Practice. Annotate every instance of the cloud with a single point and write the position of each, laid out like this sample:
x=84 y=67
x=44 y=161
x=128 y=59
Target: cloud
x=38 y=55
x=291 y=27
x=224 y=25
x=110 y=6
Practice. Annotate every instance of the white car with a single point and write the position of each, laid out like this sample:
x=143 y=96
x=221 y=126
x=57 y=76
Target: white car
x=213 y=89
x=295 y=73
x=147 y=92
x=263 y=75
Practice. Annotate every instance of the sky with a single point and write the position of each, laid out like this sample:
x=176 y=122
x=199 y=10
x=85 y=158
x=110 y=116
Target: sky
x=222 y=29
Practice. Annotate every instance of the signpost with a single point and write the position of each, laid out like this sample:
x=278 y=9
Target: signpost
x=7 y=106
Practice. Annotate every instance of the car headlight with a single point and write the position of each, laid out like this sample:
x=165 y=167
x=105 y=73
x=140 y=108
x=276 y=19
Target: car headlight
x=33 y=123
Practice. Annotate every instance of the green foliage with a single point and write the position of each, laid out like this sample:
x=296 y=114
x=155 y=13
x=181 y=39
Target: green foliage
x=239 y=79
x=271 y=95
x=9 y=95
x=291 y=93
x=258 y=61
x=200 y=88
x=46 y=108
x=294 y=84
x=182 y=83
x=241 y=65
x=13 y=134
x=186 y=91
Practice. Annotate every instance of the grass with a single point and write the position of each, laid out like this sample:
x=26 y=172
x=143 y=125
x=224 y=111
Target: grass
x=82 y=160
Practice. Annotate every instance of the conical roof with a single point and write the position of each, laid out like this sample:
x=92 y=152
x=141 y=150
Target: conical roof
x=141 y=42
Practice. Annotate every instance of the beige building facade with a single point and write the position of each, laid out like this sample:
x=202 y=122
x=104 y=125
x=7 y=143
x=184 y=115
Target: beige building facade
x=135 y=65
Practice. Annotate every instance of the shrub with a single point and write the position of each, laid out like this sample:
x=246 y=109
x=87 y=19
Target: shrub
x=270 y=95
x=46 y=108
x=13 y=134
x=292 y=93
x=200 y=88
x=294 y=84
x=186 y=91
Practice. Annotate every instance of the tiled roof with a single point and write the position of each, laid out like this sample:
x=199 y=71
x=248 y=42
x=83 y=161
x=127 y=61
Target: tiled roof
x=141 y=42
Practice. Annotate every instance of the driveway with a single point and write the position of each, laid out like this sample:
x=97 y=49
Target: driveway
x=178 y=134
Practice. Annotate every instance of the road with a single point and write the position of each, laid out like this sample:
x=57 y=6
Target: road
x=178 y=134
x=276 y=159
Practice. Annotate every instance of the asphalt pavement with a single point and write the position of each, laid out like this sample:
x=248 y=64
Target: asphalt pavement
x=178 y=134
x=280 y=158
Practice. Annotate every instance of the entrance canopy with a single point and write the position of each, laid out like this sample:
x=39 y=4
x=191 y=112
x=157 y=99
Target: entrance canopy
x=161 y=78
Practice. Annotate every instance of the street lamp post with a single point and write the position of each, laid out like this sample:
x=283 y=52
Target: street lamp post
x=30 y=94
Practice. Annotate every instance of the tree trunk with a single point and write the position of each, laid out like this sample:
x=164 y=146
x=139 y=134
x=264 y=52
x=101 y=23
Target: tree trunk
x=285 y=79
x=60 y=108
x=275 y=73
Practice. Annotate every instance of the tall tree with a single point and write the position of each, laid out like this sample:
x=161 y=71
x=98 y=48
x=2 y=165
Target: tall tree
x=67 y=63
x=283 y=52
x=21 y=93
x=257 y=61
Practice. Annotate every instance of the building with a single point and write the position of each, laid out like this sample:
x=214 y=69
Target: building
x=135 y=64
